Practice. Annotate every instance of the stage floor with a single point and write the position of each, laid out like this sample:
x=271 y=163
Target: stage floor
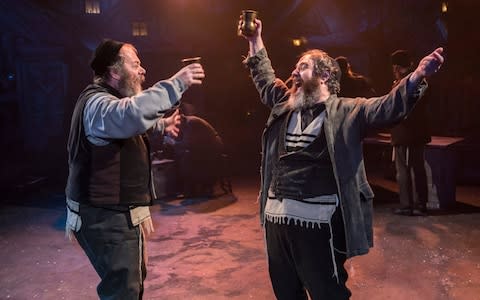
x=213 y=249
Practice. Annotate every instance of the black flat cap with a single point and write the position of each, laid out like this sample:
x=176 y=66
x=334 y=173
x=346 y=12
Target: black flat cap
x=401 y=58
x=105 y=56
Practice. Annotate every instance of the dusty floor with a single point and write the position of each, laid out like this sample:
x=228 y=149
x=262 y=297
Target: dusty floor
x=213 y=249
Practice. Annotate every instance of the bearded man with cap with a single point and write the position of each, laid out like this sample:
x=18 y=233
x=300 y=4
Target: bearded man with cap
x=409 y=138
x=315 y=201
x=110 y=185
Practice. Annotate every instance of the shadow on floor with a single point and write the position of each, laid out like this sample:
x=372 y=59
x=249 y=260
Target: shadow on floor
x=180 y=205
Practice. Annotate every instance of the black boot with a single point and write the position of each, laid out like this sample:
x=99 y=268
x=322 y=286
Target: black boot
x=404 y=211
x=420 y=210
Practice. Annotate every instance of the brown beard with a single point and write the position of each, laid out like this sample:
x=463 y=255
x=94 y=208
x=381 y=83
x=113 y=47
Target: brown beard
x=305 y=97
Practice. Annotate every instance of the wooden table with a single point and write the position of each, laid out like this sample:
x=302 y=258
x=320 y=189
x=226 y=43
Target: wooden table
x=440 y=164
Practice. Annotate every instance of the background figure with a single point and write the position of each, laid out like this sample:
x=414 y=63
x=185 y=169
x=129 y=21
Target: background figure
x=409 y=138
x=353 y=84
x=315 y=201
x=109 y=188
x=199 y=155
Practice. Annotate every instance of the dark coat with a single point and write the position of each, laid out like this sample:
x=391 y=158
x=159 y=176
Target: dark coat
x=346 y=123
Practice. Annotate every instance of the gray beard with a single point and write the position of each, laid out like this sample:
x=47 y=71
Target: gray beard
x=304 y=98
x=128 y=87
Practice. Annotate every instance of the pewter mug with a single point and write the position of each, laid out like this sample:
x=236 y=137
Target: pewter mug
x=248 y=27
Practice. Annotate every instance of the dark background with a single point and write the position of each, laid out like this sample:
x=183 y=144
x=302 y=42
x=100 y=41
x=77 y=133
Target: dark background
x=46 y=45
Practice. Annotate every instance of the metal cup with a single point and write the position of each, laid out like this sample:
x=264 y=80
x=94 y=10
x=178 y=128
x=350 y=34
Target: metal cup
x=191 y=60
x=248 y=27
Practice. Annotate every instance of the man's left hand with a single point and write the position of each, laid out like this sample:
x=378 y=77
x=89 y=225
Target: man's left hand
x=172 y=124
x=428 y=66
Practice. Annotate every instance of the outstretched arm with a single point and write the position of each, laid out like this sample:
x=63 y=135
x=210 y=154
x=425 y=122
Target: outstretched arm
x=393 y=107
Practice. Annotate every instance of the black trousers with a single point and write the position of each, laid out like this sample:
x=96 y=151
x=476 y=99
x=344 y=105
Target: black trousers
x=113 y=246
x=300 y=261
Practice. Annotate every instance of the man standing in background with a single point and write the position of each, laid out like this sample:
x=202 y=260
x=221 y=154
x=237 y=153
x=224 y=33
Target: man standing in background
x=409 y=138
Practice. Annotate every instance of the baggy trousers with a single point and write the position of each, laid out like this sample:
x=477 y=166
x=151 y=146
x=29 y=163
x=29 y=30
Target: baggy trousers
x=300 y=261
x=114 y=248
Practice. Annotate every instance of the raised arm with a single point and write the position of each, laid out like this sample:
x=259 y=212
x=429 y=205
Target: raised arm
x=271 y=89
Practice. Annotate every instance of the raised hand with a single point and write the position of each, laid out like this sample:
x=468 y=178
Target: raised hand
x=428 y=66
x=256 y=34
x=255 y=41
x=191 y=74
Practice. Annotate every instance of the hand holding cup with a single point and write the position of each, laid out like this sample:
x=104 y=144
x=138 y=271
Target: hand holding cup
x=192 y=71
x=247 y=25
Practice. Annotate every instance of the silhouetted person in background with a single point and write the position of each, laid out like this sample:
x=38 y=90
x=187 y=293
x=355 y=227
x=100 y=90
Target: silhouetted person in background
x=315 y=201
x=353 y=84
x=199 y=156
x=110 y=188
x=409 y=138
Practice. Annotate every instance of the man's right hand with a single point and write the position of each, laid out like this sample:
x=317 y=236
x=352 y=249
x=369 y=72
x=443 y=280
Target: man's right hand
x=190 y=74
x=258 y=31
x=255 y=41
